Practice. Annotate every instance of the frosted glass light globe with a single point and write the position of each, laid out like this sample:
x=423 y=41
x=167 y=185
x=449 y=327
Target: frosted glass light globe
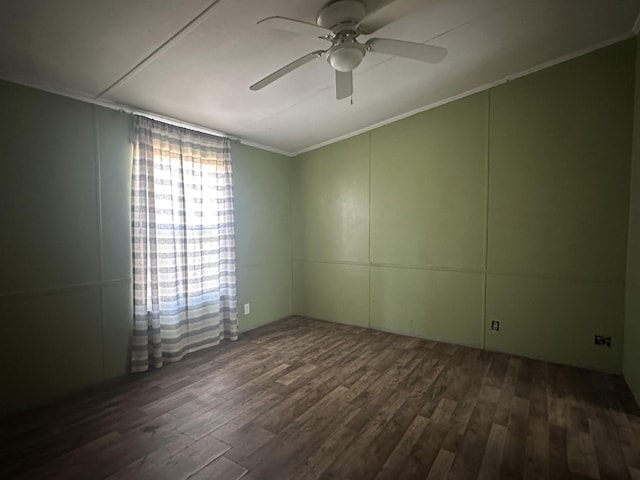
x=345 y=57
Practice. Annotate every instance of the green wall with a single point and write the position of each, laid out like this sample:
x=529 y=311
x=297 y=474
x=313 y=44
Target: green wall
x=632 y=312
x=65 y=281
x=262 y=201
x=65 y=300
x=507 y=205
x=558 y=211
x=331 y=232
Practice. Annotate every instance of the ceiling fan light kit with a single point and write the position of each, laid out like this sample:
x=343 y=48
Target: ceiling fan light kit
x=346 y=55
x=341 y=22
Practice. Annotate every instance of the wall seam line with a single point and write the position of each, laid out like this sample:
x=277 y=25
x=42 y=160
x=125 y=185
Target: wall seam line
x=96 y=138
x=486 y=226
x=470 y=271
x=370 y=201
x=291 y=233
x=41 y=292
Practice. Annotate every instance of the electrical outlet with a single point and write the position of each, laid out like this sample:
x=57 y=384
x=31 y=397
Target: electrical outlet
x=602 y=341
x=495 y=325
x=247 y=308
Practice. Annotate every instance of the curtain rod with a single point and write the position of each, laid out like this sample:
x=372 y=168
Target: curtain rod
x=178 y=123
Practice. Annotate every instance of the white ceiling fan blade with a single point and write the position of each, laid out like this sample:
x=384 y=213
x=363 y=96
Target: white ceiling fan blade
x=286 y=69
x=344 y=84
x=295 y=26
x=400 y=48
x=383 y=12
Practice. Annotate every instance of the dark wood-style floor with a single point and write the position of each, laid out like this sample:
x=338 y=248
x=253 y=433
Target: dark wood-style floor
x=306 y=399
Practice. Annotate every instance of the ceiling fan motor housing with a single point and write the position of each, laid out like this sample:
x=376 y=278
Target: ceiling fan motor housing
x=341 y=15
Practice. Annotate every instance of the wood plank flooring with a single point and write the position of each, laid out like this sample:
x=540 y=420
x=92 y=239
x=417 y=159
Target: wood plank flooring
x=304 y=399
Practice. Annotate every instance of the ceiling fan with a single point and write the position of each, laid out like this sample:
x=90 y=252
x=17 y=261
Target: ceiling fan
x=341 y=22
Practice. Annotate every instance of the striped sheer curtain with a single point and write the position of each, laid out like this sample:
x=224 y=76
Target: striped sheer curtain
x=183 y=243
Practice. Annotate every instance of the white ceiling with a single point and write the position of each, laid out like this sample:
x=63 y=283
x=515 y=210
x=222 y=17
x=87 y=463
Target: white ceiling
x=139 y=54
